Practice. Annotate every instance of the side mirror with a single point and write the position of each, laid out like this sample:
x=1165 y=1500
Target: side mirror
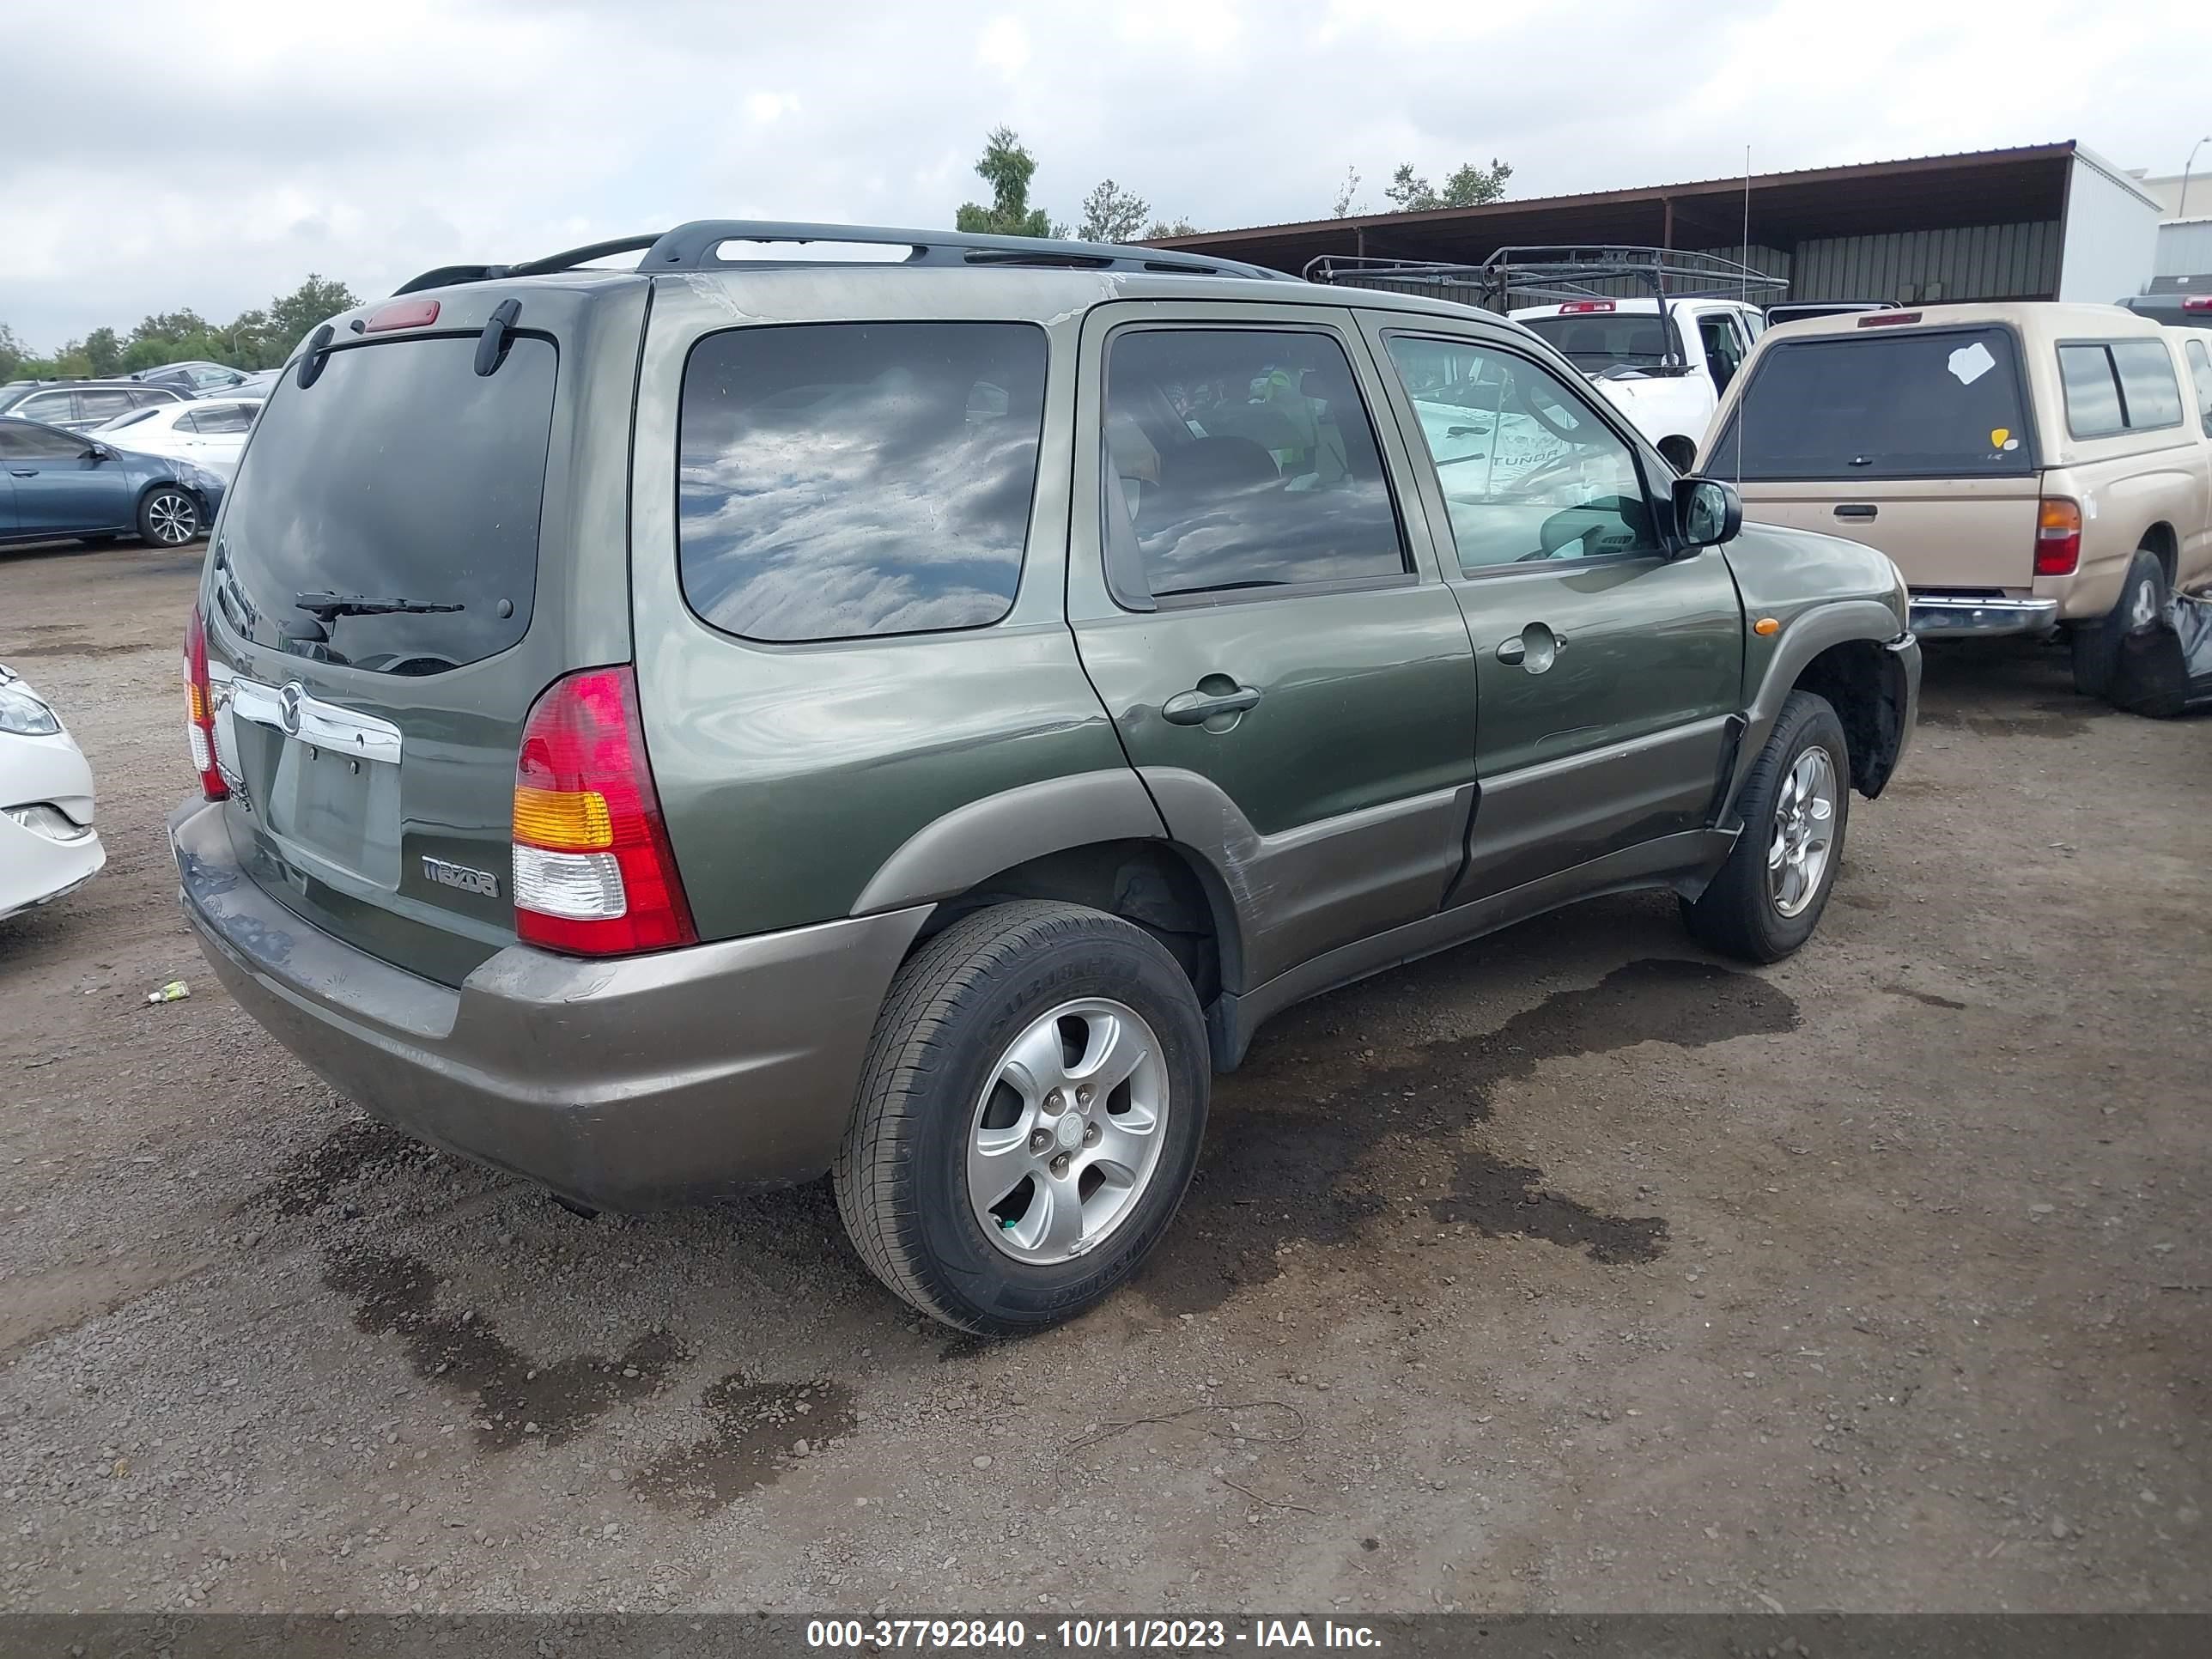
x=99 y=453
x=1706 y=511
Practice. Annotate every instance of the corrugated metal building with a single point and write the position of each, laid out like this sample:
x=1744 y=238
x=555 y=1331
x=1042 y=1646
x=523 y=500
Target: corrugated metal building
x=2050 y=222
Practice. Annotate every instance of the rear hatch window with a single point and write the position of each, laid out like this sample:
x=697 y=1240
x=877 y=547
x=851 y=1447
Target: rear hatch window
x=1907 y=404
x=400 y=477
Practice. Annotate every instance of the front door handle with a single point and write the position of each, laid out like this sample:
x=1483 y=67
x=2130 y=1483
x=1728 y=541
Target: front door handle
x=1860 y=510
x=1535 y=647
x=1199 y=707
x=24 y=471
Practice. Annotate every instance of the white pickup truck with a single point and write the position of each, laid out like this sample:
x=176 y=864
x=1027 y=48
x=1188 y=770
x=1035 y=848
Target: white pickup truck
x=1665 y=372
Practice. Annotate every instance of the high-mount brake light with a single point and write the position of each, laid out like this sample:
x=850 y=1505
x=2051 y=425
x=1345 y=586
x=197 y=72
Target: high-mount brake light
x=1579 y=307
x=1887 y=319
x=594 y=874
x=407 y=313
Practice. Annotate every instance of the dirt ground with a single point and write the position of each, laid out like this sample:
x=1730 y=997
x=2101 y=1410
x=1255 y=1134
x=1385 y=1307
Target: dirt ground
x=1570 y=1270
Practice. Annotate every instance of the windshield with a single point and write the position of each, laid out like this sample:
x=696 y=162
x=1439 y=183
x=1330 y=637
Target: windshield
x=1595 y=343
x=400 y=474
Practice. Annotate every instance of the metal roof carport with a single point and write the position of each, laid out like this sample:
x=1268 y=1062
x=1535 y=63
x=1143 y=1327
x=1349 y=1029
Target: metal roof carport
x=1989 y=224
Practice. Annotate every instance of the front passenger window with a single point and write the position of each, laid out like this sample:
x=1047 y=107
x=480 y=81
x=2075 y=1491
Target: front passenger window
x=1528 y=470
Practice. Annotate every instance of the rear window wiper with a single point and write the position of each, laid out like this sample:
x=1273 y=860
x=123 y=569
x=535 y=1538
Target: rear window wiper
x=324 y=606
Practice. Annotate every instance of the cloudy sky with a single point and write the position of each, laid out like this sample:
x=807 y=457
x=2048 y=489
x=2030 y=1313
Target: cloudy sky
x=158 y=157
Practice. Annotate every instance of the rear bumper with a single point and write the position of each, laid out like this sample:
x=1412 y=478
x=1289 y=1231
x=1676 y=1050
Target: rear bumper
x=626 y=1084
x=1942 y=616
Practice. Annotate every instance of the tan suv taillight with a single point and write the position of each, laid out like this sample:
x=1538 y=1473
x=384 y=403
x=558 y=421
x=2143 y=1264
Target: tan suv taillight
x=2058 y=536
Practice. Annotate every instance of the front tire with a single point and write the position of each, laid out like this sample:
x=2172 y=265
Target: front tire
x=2096 y=644
x=1029 y=1117
x=168 y=516
x=1768 y=897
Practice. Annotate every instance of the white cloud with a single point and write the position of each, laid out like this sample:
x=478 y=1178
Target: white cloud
x=371 y=145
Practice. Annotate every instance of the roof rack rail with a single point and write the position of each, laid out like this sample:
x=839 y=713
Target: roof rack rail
x=697 y=246
x=1560 y=272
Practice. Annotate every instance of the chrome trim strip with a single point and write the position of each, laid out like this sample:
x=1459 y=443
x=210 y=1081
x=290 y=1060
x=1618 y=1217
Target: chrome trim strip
x=295 y=711
x=1936 y=616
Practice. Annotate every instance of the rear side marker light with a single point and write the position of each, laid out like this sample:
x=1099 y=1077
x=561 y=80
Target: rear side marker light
x=594 y=874
x=199 y=710
x=2058 y=536
x=1887 y=319
x=407 y=313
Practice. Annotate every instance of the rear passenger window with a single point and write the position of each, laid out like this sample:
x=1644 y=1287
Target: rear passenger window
x=843 y=480
x=1242 y=458
x=2147 y=386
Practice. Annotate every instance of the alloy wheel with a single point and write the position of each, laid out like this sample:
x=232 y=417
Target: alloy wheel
x=1804 y=832
x=1066 y=1135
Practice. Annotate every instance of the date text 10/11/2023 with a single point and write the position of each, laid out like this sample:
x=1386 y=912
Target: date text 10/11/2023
x=1087 y=1635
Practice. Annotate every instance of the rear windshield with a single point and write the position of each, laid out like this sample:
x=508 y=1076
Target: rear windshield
x=399 y=475
x=1592 y=343
x=1914 y=404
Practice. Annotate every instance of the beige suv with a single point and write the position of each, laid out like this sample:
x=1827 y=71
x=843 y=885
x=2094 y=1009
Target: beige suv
x=2029 y=466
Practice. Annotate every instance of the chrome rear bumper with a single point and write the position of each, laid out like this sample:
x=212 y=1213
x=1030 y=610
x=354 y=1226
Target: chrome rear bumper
x=1942 y=616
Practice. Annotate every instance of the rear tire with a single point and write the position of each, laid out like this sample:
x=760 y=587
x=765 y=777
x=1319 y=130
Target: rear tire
x=2096 y=644
x=168 y=516
x=974 y=1083
x=1768 y=897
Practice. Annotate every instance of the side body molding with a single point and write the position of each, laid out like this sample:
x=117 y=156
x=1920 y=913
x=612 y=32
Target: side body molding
x=952 y=854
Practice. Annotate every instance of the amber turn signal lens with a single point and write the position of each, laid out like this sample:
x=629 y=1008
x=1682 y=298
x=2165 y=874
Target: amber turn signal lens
x=562 y=820
x=1766 y=625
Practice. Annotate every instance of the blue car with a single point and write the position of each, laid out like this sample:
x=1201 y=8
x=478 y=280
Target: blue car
x=56 y=484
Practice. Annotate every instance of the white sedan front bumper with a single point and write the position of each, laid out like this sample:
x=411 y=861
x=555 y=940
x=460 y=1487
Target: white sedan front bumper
x=56 y=850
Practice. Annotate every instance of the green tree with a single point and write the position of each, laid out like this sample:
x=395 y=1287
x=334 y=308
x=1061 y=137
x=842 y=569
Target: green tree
x=14 y=354
x=1465 y=186
x=1347 y=201
x=104 y=352
x=1008 y=168
x=1171 y=228
x=291 y=316
x=1111 y=214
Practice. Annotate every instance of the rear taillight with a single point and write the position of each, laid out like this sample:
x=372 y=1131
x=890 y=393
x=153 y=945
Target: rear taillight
x=2058 y=536
x=2197 y=302
x=594 y=874
x=199 y=711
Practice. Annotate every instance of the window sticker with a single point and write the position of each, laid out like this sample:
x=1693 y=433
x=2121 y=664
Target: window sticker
x=1969 y=363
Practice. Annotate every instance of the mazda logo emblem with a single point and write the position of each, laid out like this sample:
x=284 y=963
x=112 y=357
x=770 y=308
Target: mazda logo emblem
x=290 y=700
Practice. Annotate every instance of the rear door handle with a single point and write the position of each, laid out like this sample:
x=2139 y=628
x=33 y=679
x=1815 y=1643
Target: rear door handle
x=1196 y=707
x=1856 y=510
x=24 y=471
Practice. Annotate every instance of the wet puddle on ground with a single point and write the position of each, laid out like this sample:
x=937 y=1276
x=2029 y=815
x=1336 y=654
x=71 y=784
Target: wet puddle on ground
x=761 y=1428
x=1276 y=1170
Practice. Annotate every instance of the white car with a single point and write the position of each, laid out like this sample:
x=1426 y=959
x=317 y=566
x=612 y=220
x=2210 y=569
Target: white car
x=47 y=845
x=208 y=431
x=1665 y=373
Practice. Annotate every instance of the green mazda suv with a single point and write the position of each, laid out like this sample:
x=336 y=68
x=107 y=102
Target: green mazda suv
x=672 y=731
